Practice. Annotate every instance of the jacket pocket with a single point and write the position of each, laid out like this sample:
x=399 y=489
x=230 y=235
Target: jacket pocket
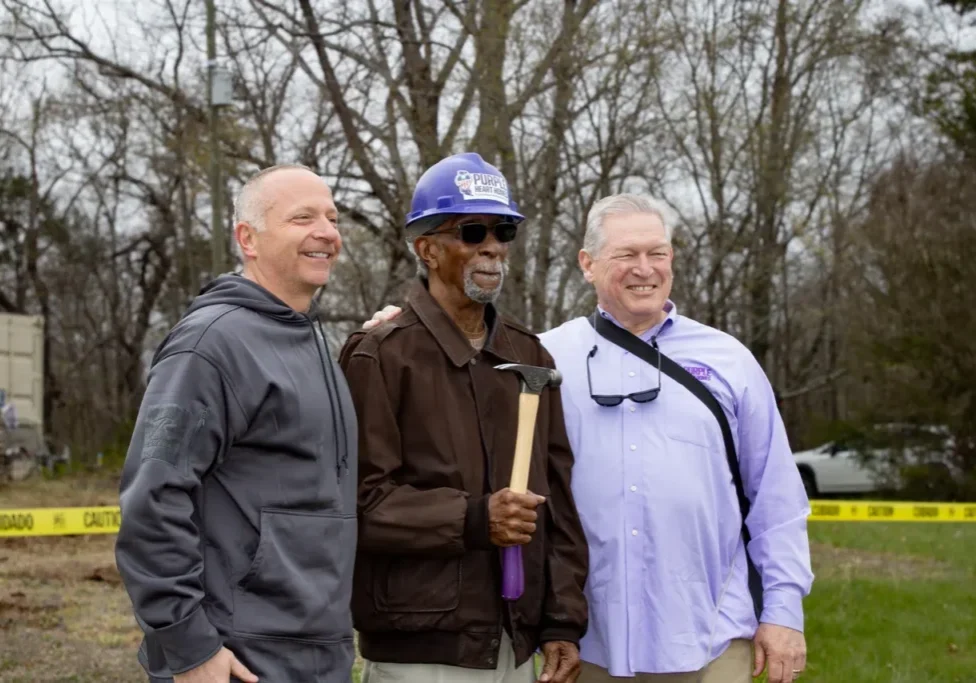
x=298 y=586
x=418 y=585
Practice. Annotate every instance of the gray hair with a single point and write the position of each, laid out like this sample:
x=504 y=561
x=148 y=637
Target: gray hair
x=248 y=204
x=618 y=204
x=415 y=230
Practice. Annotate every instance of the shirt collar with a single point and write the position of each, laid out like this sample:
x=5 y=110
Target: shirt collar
x=667 y=323
x=449 y=337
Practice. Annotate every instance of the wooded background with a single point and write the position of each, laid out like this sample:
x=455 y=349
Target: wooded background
x=819 y=154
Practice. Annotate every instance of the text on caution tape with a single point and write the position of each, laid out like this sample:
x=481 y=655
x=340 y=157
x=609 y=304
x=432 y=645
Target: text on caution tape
x=106 y=519
x=881 y=511
x=60 y=521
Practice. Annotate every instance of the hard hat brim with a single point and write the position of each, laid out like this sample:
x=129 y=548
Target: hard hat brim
x=433 y=217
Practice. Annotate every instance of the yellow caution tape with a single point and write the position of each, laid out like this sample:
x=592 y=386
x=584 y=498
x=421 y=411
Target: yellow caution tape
x=106 y=520
x=884 y=511
x=60 y=521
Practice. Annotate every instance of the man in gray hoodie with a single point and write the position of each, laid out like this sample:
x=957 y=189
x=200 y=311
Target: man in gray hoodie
x=238 y=495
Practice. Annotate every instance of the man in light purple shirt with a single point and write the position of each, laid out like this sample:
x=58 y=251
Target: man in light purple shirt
x=667 y=589
x=668 y=593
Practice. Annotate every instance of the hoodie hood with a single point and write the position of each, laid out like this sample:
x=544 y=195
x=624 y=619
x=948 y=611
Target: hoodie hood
x=237 y=290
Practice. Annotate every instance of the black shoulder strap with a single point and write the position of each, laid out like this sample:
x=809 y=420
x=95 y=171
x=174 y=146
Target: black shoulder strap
x=649 y=354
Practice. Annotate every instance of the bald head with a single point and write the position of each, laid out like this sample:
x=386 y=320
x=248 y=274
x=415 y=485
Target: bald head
x=251 y=203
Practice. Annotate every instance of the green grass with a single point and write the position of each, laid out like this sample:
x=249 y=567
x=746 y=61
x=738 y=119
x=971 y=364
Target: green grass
x=892 y=603
x=945 y=542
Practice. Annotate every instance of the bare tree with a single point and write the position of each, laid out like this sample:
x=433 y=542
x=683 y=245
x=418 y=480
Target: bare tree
x=761 y=123
x=776 y=117
x=415 y=81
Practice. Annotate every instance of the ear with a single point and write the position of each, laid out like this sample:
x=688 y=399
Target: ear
x=586 y=265
x=246 y=237
x=427 y=251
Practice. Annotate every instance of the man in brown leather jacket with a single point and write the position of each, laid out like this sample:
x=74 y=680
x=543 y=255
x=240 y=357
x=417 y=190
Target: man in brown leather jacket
x=437 y=425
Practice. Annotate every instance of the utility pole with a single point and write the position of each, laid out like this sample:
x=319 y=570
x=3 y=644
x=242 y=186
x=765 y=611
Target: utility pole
x=218 y=246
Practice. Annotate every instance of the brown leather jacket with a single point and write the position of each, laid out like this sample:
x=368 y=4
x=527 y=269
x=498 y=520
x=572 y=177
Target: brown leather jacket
x=437 y=427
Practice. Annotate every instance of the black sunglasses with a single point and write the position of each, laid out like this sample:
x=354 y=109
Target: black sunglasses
x=475 y=233
x=610 y=400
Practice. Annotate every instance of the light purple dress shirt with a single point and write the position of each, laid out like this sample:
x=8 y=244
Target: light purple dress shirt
x=668 y=586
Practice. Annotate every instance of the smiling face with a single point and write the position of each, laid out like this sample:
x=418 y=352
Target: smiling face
x=475 y=270
x=631 y=272
x=293 y=252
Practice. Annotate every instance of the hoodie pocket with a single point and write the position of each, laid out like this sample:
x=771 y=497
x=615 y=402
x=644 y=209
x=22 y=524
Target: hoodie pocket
x=298 y=586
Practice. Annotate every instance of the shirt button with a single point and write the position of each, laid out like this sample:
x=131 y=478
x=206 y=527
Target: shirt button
x=634 y=532
x=633 y=409
x=494 y=642
x=631 y=374
x=474 y=361
x=633 y=447
x=633 y=488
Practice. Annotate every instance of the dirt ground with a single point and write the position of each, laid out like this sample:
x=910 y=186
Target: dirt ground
x=65 y=617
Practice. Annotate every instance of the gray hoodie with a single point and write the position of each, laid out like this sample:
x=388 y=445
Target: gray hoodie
x=238 y=494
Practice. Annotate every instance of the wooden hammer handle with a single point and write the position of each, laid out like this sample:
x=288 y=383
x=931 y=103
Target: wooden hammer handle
x=528 y=408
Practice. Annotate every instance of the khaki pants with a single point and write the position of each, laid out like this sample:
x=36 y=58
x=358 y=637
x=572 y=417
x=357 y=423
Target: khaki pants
x=506 y=672
x=733 y=666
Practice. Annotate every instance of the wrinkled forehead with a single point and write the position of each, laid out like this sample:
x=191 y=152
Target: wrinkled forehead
x=301 y=188
x=644 y=230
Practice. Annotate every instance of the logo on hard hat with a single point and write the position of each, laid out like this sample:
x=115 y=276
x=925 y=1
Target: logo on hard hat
x=482 y=186
x=463 y=181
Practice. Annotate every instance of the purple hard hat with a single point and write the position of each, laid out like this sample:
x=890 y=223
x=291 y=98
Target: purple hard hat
x=459 y=184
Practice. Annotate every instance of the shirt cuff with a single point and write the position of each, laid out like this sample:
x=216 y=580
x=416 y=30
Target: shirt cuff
x=783 y=607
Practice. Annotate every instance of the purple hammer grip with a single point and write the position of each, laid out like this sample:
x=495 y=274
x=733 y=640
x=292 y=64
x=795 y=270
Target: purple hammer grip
x=513 y=579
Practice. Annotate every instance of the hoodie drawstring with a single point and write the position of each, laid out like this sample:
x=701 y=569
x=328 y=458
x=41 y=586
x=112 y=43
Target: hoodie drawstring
x=342 y=454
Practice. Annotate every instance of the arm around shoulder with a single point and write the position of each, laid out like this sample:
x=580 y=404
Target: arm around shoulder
x=187 y=418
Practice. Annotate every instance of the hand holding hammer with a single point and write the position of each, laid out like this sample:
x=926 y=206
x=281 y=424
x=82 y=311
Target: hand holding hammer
x=532 y=381
x=512 y=517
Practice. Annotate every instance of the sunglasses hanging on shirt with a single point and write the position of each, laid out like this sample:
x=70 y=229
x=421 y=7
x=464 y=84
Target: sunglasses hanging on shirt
x=611 y=400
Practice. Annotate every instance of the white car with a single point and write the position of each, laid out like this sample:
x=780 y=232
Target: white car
x=833 y=469
x=838 y=468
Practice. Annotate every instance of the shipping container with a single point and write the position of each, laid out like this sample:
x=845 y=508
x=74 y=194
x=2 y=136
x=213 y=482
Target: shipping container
x=22 y=366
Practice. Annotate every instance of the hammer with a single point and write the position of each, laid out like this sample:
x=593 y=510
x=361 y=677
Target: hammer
x=532 y=381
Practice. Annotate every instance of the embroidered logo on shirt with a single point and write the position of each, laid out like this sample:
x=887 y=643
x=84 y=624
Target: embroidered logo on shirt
x=698 y=372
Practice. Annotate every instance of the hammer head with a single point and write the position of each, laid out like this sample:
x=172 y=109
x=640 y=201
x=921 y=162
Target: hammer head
x=534 y=379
